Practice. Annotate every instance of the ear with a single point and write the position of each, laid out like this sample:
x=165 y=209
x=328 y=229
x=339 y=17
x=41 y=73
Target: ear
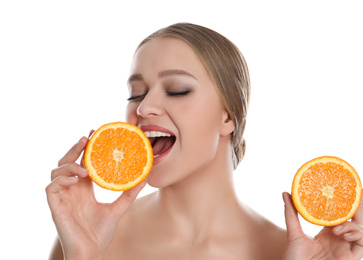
x=227 y=124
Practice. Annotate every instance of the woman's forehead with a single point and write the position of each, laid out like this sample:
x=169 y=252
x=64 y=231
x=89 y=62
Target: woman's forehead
x=164 y=54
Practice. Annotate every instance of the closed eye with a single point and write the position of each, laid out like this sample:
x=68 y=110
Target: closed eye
x=174 y=94
x=136 y=97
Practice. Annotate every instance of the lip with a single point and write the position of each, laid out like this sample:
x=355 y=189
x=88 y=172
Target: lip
x=146 y=128
x=162 y=156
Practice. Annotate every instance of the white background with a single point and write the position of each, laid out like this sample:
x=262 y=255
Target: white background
x=64 y=64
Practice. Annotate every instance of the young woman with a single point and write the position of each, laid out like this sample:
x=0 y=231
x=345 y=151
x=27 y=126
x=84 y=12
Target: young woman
x=193 y=83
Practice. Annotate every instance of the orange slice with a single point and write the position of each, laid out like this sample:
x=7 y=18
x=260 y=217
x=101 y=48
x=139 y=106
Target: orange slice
x=326 y=191
x=118 y=156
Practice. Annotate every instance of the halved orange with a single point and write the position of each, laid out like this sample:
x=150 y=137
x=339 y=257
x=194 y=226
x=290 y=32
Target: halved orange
x=118 y=156
x=326 y=191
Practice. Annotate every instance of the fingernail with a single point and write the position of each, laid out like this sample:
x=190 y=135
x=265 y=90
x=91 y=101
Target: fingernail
x=347 y=234
x=72 y=178
x=336 y=229
x=82 y=169
x=80 y=140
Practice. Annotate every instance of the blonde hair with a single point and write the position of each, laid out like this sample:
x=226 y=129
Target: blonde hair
x=227 y=68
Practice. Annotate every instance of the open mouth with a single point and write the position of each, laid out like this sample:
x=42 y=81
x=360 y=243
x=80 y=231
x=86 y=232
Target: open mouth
x=160 y=141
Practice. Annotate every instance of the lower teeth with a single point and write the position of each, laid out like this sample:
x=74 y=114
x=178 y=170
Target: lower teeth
x=156 y=155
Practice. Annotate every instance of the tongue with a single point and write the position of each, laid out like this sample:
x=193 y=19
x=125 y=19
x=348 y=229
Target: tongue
x=162 y=144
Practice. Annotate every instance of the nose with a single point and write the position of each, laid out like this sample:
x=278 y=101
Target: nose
x=150 y=106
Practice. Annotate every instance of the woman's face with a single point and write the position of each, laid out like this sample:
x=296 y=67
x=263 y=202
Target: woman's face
x=173 y=99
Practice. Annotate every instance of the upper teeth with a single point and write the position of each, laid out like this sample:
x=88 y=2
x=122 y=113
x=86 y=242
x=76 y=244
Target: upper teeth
x=156 y=134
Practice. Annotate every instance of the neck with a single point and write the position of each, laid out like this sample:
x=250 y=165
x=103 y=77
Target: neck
x=198 y=204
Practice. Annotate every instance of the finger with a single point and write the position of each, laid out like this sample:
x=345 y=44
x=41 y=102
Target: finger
x=89 y=136
x=71 y=169
x=60 y=183
x=90 y=133
x=126 y=199
x=355 y=236
x=53 y=189
x=293 y=226
x=73 y=154
x=350 y=231
x=346 y=227
x=358 y=216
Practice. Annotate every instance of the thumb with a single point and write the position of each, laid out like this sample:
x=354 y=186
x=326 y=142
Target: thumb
x=293 y=226
x=120 y=205
x=82 y=158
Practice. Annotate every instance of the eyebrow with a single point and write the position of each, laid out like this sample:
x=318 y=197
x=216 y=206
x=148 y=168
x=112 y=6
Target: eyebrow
x=166 y=73
x=134 y=77
x=162 y=74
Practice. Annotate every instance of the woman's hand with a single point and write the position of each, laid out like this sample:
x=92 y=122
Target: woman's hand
x=85 y=226
x=340 y=242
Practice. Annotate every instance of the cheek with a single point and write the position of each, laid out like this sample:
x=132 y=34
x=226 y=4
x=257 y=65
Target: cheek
x=201 y=125
x=130 y=115
x=203 y=117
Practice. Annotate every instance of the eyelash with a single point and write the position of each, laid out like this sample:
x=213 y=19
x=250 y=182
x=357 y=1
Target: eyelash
x=171 y=94
x=175 y=94
x=133 y=98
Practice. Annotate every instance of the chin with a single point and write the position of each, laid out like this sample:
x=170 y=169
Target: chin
x=162 y=178
x=155 y=179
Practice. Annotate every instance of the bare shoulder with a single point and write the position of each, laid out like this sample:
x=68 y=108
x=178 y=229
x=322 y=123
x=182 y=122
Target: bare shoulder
x=246 y=234
x=269 y=239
